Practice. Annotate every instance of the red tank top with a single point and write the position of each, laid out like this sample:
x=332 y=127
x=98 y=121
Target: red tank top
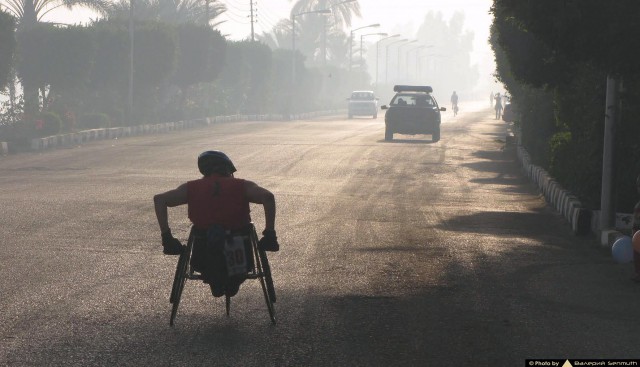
x=218 y=200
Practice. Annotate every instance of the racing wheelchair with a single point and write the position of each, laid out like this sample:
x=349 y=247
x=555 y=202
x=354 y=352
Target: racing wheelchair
x=257 y=268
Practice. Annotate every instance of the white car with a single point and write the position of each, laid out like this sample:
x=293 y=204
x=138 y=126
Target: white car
x=363 y=103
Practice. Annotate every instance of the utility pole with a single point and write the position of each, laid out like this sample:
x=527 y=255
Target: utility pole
x=253 y=35
x=607 y=207
x=130 y=63
x=205 y=105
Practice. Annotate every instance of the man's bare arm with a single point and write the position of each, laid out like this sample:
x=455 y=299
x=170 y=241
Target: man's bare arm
x=171 y=198
x=260 y=195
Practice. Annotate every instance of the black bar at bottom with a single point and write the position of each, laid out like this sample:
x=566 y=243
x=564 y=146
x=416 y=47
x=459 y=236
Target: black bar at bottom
x=569 y=362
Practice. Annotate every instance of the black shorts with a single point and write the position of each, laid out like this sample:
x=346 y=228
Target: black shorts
x=212 y=259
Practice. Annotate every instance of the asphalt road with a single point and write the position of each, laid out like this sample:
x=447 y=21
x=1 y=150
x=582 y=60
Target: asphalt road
x=403 y=253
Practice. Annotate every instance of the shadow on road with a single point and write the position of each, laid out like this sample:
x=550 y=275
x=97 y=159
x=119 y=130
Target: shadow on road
x=499 y=223
x=407 y=141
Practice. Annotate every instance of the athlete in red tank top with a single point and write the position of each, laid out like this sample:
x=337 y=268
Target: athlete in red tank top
x=216 y=199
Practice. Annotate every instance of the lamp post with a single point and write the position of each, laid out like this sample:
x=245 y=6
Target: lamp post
x=418 y=58
x=386 y=63
x=399 y=48
x=351 y=42
x=130 y=107
x=378 y=54
x=362 y=36
x=416 y=49
x=205 y=105
x=293 y=39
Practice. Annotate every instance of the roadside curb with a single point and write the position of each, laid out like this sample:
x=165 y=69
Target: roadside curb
x=85 y=136
x=583 y=221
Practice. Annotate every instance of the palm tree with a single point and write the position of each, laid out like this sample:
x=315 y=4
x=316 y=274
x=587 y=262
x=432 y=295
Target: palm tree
x=307 y=39
x=318 y=34
x=342 y=12
x=169 y=11
x=279 y=37
x=31 y=12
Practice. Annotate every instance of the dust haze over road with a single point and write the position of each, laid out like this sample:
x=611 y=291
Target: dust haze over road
x=392 y=254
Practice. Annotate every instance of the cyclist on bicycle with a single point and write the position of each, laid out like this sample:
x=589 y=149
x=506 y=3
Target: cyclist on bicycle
x=218 y=198
x=454 y=103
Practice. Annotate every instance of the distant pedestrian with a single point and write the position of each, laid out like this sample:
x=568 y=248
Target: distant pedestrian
x=498 y=100
x=454 y=103
x=635 y=228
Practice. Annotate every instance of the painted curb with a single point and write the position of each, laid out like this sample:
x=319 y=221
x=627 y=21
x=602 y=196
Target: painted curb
x=85 y=136
x=583 y=221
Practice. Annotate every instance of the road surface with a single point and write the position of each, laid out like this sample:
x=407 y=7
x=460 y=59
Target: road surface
x=402 y=253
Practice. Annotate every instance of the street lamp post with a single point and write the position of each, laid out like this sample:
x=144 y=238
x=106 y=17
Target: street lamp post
x=362 y=36
x=130 y=63
x=399 y=48
x=205 y=105
x=386 y=63
x=351 y=42
x=418 y=58
x=416 y=49
x=378 y=55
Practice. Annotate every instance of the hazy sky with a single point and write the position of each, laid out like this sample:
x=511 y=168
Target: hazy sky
x=390 y=14
x=405 y=15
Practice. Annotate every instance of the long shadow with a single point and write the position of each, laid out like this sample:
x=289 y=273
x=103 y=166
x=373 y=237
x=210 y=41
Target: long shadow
x=507 y=224
x=484 y=308
x=407 y=141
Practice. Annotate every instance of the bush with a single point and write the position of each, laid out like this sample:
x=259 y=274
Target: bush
x=67 y=116
x=94 y=121
x=47 y=124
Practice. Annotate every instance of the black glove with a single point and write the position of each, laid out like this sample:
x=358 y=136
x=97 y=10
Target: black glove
x=269 y=241
x=171 y=245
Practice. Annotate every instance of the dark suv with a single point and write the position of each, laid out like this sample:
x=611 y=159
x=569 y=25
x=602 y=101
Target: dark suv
x=413 y=110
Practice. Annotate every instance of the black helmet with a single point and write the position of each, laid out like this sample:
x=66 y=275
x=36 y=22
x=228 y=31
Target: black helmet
x=212 y=160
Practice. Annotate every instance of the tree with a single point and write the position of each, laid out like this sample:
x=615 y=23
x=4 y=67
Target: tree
x=311 y=30
x=55 y=59
x=538 y=53
x=169 y=11
x=31 y=12
x=606 y=31
x=449 y=53
x=342 y=13
x=7 y=48
x=201 y=57
x=154 y=61
x=247 y=77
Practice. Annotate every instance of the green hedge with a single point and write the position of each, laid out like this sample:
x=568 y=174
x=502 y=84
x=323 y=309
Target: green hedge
x=94 y=121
